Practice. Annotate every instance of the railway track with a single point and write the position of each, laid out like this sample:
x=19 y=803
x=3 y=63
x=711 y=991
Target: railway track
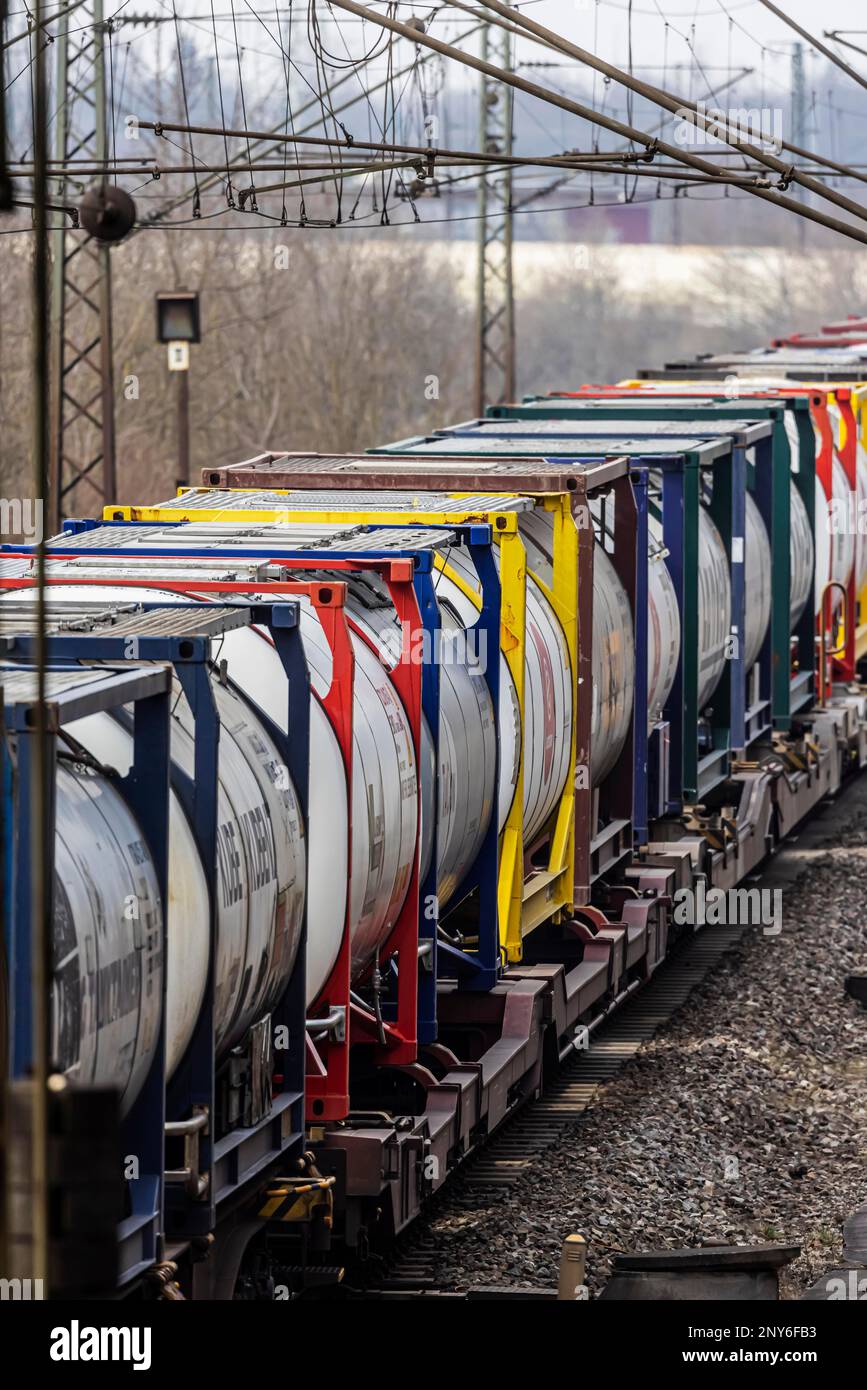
x=511 y=1153
x=837 y=828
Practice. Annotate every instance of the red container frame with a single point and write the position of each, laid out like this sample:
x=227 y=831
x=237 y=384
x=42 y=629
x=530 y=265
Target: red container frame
x=327 y=1065
x=840 y=666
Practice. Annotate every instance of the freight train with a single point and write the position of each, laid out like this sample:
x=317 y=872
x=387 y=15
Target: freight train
x=371 y=782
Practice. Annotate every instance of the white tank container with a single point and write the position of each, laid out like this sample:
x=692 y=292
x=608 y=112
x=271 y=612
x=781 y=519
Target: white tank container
x=714 y=614
x=835 y=538
x=547 y=696
x=467 y=754
x=803 y=560
x=385 y=799
x=613 y=662
x=861 y=518
x=663 y=629
x=260 y=878
x=613 y=667
x=385 y=782
x=261 y=866
x=107 y=949
x=714 y=607
x=757 y=582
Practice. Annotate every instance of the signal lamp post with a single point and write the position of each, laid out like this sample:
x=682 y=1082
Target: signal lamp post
x=177 y=327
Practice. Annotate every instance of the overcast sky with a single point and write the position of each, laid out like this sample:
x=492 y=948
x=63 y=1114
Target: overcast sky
x=665 y=34
x=687 y=46
x=722 y=31
x=711 y=18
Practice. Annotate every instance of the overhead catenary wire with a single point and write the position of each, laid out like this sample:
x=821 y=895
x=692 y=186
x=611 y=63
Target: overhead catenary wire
x=208 y=181
x=579 y=158
x=35 y=26
x=750 y=176
x=197 y=196
x=678 y=106
x=624 y=130
x=816 y=43
x=222 y=108
x=266 y=222
x=436 y=161
x=240 y=85
x=332 y=175
x=845 y=43
x=684 y=106
x=509 y=28
x=285 y=56
x=625 y=154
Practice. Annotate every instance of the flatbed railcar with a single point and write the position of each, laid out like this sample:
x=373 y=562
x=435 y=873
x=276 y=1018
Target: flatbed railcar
x=379 y=775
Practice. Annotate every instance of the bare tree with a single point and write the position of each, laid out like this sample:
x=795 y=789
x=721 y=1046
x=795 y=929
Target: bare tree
x=337 y=341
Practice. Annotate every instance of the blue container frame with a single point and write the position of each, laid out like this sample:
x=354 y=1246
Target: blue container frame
x=762 y=478
x=230 y=1162
x=692 y=774
x=145 y=788
x=769 y=479
x=478 y=970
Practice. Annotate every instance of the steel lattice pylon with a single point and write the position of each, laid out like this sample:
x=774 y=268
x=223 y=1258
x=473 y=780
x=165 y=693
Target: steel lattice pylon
x=5 y=181
x=82 y=438
x=495 y=350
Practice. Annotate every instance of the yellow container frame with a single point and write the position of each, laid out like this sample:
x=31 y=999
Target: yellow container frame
x=859 y=406
x=523 y=902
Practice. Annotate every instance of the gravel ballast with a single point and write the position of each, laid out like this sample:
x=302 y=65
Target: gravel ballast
x=744 y=1121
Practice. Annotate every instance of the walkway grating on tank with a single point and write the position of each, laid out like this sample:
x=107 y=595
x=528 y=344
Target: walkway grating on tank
x=181 y=619
x=367 y=500
x=298 y=535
